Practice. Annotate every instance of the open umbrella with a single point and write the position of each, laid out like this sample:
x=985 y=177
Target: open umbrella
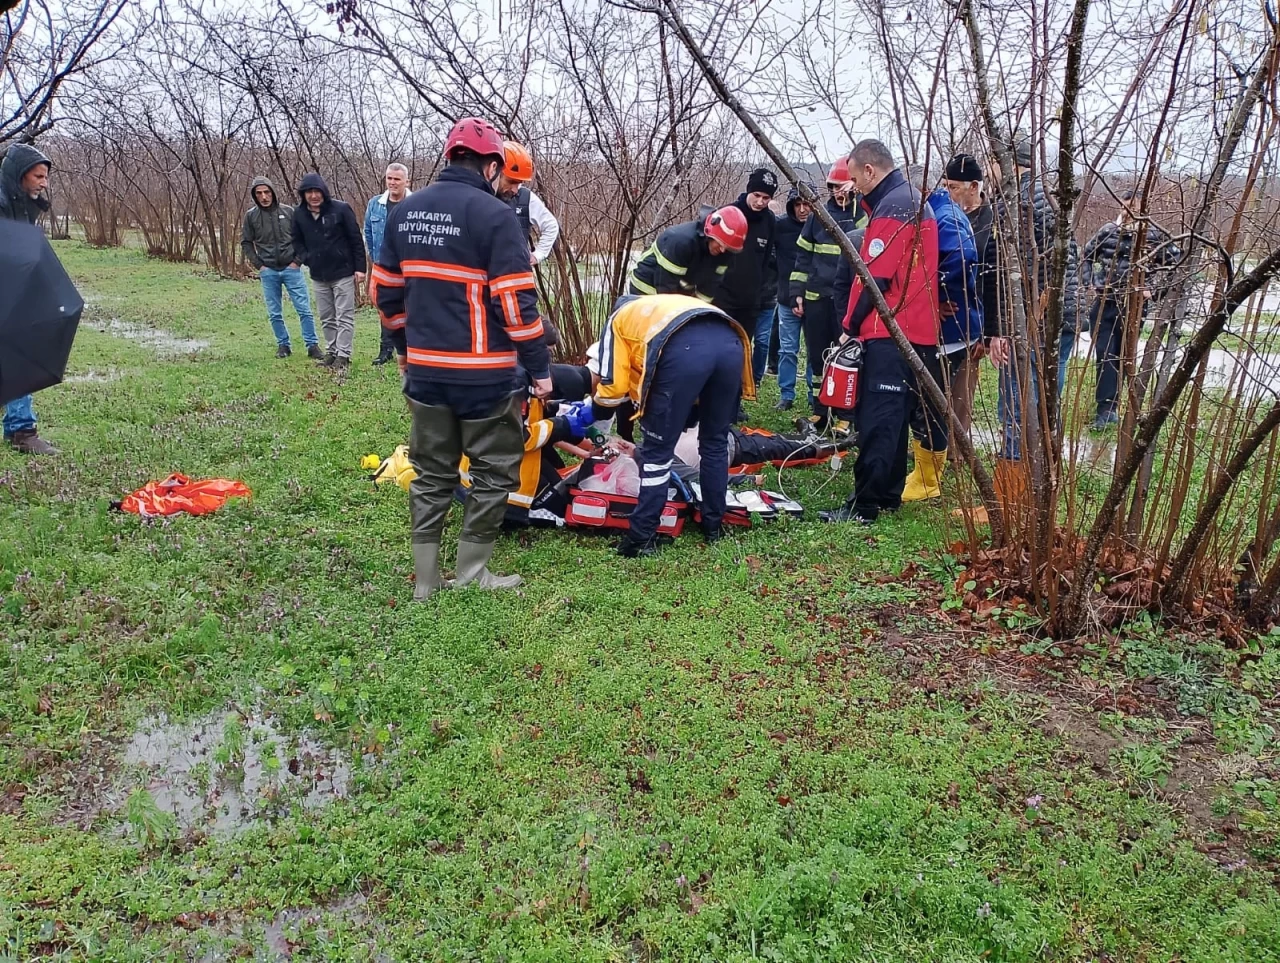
x=39 y=312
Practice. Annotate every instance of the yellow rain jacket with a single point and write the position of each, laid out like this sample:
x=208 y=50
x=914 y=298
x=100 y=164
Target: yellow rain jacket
x=633 y=340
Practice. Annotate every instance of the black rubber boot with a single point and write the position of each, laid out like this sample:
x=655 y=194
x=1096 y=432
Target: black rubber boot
x=634 y=548
x=845 y=513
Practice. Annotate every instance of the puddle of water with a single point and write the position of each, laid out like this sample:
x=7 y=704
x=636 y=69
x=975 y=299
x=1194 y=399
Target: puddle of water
x=1261 y=371
x=164 y=342
x=282 y=932
x=1087 y=450
x=232 y=936
x=93 y=376
x=224 y=771
x=1095 y=452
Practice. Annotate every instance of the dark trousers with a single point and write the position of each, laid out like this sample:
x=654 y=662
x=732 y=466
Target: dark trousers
x=888 y=394
x=1108 y=333
x=386 y=345
x=928 y=421
x=700 y=368
x=821 y=332
x=746 y=318
x=481 y=421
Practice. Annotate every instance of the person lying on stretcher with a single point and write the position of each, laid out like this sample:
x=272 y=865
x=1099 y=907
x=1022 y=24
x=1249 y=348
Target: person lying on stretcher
x=750 y=449
x=557 y=427
x=549 y=428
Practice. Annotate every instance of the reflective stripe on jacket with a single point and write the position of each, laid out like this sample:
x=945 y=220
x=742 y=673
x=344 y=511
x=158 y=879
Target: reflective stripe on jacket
x=818 y=255
x=454 y=285
x=679 y=262
x=539 y=432
x=632 y=342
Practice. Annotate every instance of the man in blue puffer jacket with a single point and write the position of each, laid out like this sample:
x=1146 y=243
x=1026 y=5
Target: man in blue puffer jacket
x=960 y=313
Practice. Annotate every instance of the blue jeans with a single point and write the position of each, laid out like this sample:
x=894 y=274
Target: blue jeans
x=1010 y=400
x=760 y=347
x=1066 y=345
x=19 y=415
x=790 y=328
x=700 y=370
x=290 y=279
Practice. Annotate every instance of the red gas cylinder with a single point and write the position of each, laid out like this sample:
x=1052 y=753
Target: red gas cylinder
x=840 y=376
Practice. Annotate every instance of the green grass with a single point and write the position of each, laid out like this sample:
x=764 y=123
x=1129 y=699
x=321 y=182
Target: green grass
x=718 y=754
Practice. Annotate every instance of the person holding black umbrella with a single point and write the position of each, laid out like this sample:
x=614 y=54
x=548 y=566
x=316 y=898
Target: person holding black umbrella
x=24 y=175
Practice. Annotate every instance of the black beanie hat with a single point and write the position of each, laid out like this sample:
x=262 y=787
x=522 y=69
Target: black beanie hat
x=762 y=180
x=964 y=167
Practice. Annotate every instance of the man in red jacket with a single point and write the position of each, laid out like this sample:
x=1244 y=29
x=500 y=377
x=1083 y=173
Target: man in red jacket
x=455 y=289
x=901 y=249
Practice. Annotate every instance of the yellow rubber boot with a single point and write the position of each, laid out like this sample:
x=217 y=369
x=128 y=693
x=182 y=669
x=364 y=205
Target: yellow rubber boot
x=924 y=480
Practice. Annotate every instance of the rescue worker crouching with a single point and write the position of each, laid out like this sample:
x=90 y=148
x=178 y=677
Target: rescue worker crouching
x=691 y=258
x=454 y=286
x=675 y=358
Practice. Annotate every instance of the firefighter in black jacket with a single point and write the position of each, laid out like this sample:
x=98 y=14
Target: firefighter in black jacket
x=813 y=282
x=748 y=290
x=456 y=290
x=691 y=258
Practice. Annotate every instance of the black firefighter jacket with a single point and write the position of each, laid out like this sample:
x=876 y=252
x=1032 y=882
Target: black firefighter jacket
x=454 y=285
x=819 y=255
x=679 y=262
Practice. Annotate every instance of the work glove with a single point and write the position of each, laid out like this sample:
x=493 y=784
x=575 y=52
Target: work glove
x=577 y=417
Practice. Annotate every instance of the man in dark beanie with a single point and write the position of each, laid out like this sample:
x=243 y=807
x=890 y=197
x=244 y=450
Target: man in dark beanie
x=748 y=291
x=963 y=179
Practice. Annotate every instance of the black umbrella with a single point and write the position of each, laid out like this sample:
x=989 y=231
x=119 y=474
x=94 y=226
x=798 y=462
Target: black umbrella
x=39 y=312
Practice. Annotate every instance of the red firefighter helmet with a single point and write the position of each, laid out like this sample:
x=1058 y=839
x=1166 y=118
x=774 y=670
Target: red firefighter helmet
x=728 y=226
x=839 y=171
x=476 y=135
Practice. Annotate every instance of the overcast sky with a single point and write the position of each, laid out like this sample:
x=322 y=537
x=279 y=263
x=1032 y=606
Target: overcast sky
x=762 y=54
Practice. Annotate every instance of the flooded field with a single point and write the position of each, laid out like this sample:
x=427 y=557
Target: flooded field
x=164 y=343
x=227 y=770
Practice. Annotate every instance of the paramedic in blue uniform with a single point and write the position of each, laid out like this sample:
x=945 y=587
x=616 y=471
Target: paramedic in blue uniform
x=678 y=360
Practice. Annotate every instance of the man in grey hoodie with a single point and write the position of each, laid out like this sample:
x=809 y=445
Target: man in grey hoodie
x=267 y=241
x=24 y=175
